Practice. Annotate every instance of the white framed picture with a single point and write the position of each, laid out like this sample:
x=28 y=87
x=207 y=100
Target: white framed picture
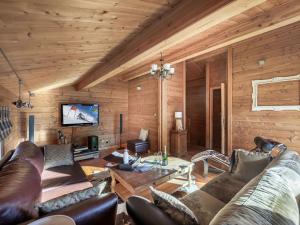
x=255 y=90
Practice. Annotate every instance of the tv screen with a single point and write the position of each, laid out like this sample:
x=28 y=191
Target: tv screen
x=79 y=114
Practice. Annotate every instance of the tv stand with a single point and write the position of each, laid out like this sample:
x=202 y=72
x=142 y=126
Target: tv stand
x=83 y=152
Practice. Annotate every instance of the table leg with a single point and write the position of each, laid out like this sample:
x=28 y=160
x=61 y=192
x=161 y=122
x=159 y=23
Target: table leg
x=113 y=182
x=190 y=175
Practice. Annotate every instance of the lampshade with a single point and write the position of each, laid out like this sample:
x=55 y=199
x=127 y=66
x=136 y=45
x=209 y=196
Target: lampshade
x=167 y=66
x=154 y=67
x=172 y=70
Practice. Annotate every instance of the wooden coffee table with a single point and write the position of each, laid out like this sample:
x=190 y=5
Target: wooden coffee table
x=165 y=178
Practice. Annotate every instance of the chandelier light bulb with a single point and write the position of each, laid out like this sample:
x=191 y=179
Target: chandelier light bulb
x=172 y=70
x=154 y=67
x=167 y=66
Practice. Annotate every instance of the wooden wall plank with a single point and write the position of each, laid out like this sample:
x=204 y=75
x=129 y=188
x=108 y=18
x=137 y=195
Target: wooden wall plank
x=143 y=109
x=196 y=108
x=112 y=97
x=174 y=98
x=229 y=99
x=280 y=50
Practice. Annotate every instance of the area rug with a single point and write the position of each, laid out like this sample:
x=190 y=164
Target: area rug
x=122 y=217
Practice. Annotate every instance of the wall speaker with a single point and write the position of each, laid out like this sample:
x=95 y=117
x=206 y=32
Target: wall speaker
x=31 y=128
x=93 y=143
x=121 y=123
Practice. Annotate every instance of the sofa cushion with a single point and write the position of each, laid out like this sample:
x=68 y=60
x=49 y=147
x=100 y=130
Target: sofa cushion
x=173 y=207
x=30 y=152
x=143 y=134
x=203 y=205
x=249 y=164
x=287 y=165
x=266 y=200
x=20 y=189
x=62 y=180
x=224 y=187
x=58 y=155
x=55 y=192
x=70 y=199
x=62 y=175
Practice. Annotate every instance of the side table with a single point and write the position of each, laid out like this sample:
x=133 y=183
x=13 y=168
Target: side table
x=178 y=143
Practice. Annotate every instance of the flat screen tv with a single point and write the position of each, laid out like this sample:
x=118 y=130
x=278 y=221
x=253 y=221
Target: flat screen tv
x=79 y=114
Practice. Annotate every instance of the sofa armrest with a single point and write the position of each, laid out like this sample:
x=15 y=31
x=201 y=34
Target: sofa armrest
x=94 y=211
x=143 y=212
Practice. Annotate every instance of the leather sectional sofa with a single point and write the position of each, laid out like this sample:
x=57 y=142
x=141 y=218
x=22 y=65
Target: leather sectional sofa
x=270 y=198
x=24 y=183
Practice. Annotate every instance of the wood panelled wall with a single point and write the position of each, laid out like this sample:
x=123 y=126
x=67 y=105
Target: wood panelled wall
x=143 y=105
x=281 y=51
x=217 y=70
x=174 y=91
x=112 y=97
x=143 y=108
x=195 y=103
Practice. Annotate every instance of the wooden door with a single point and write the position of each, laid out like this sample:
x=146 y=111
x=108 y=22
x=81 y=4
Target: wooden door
x=217 y=118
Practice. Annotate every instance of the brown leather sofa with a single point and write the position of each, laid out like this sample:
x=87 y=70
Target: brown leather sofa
x=23 y=183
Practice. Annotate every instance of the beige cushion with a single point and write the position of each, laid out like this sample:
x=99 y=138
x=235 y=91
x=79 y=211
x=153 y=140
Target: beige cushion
x=249 y=164
x=70 y=199
x=55 y=192
x=266 y=200
x=143 y=135
x=58 y=155
x=224 y=187
x=173 y=207
x=203 y=205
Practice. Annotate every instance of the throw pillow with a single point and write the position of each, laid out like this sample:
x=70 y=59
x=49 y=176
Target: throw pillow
x=143 y=135
x=249 y=164
x=70 y=199
x=173 y=207
x=58 y=155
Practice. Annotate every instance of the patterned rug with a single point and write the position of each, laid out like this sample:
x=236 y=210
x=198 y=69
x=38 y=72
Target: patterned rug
x=122 y=217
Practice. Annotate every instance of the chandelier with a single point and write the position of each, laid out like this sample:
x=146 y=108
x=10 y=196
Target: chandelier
x=164 y=71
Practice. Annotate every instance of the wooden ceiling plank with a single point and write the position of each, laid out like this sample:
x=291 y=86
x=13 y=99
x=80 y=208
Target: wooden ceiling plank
x=276 y=17
x=192 y=22
x=42 y=37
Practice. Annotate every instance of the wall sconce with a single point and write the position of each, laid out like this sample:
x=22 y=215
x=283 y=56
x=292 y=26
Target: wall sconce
x=138 y=88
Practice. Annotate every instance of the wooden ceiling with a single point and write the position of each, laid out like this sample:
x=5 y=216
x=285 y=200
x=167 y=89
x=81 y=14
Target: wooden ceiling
x=265 y=17
x=52 y=43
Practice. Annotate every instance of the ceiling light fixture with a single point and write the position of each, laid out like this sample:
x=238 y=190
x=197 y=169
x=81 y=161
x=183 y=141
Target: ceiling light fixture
x=164 y=71
x=20 y=103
